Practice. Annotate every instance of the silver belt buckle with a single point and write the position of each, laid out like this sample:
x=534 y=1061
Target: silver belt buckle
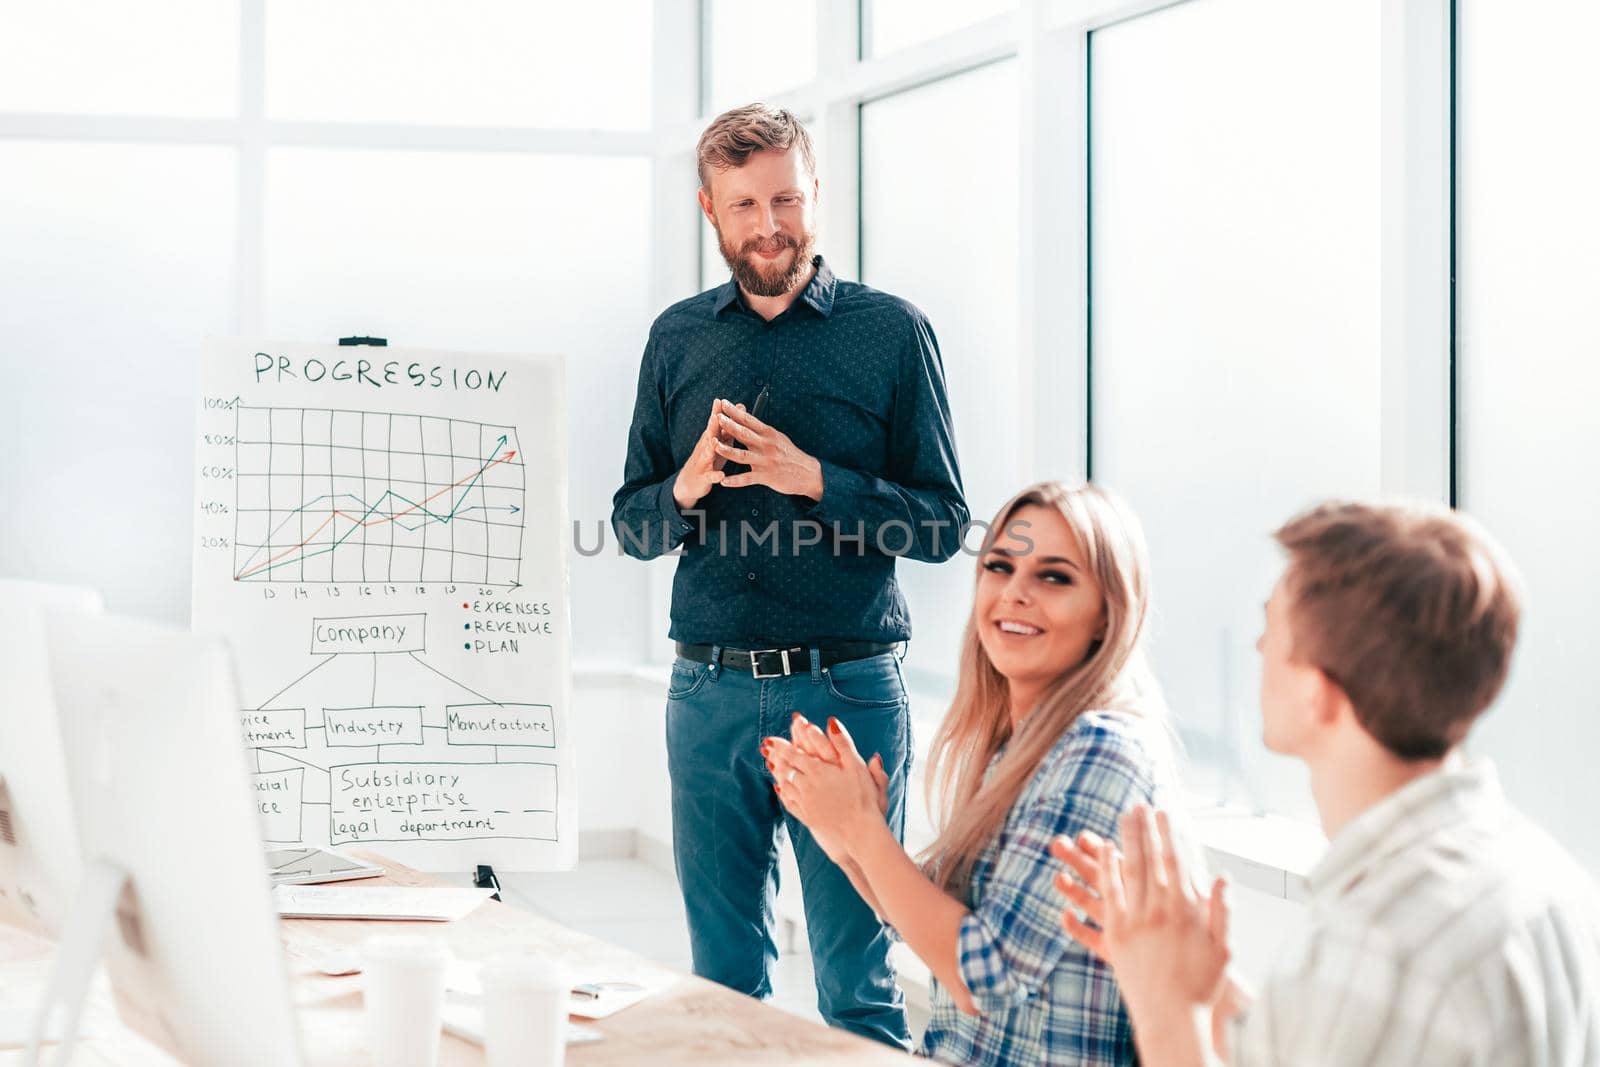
x=755 y=662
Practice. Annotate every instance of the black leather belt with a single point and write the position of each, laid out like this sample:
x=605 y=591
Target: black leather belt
x=777 y=662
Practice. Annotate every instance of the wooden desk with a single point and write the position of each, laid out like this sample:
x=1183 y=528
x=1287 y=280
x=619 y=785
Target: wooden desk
x=692 y=1022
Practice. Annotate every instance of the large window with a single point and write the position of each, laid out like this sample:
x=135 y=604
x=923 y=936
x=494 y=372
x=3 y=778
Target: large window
x=102 y=57
x=473 y=177
x=891 y=25
x=757 y=49
x=1234 y=344
x=486 y=63
x=1528 y=227
x=115 y=260
x=939 y=228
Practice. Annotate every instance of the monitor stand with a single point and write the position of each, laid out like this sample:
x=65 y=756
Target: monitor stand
x=104 y=896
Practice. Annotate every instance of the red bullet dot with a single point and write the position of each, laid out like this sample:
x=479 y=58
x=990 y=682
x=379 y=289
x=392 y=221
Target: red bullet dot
x=464 y=605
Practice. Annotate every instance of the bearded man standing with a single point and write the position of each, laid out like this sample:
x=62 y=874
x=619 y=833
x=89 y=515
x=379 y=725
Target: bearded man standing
x=791 y=438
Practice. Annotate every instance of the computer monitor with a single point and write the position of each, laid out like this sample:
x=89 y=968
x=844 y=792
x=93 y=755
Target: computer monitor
x=163 y=805
x=39 y=864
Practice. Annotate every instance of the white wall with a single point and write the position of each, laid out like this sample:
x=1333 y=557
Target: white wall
x=618 y=725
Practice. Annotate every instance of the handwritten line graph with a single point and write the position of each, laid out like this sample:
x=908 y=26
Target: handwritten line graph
x=363 y=519
x=391 y=479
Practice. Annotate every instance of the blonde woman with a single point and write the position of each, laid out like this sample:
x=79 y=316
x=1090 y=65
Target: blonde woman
x=1056 y=728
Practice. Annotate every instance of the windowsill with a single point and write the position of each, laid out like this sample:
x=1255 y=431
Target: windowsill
x=1268 y=853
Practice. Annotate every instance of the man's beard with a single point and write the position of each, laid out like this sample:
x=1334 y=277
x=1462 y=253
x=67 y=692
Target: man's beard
x=759 y=279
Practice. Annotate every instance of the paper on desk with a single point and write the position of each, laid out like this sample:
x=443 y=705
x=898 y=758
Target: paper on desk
x=616 y=991
x=613 y=997
x=424 y=903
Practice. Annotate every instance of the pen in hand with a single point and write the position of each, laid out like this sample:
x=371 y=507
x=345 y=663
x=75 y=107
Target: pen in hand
x=719 y=462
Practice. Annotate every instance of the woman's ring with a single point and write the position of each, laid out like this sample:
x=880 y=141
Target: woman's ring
x=790 y=777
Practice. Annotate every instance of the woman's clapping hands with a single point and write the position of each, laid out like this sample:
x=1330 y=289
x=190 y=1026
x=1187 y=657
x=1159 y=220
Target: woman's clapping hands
x=822 y=780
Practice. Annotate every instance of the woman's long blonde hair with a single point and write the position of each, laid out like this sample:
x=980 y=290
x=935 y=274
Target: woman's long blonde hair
x=972 y=804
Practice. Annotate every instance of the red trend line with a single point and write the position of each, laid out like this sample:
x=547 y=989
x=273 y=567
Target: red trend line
x=376 y=522
x=267 y=563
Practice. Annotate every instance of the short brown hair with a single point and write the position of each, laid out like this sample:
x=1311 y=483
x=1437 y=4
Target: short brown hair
x=1412 y=609
x=734 y=135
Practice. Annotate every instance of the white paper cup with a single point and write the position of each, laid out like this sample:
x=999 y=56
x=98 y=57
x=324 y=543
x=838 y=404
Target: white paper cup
x=404 y=997
x=524 y=1011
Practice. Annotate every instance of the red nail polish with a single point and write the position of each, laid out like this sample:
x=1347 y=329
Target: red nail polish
x=771 y=766
x=833 y=724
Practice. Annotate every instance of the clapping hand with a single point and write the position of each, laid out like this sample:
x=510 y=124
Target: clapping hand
x=822 y=780
x=1166 y=941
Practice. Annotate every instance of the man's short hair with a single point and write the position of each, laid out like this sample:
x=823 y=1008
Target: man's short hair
x=734 y=135
x=1411 y=609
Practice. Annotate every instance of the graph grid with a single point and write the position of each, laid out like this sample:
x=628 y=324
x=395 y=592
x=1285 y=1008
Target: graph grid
x=335 y=495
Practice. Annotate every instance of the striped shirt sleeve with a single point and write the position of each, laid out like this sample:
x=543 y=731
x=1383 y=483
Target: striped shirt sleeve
x=1353 y=1002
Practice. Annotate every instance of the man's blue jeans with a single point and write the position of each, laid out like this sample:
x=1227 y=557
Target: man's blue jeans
x=725 y=819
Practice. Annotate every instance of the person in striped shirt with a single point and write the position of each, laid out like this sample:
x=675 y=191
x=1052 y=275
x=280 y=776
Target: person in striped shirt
x=1056 y=727
x=1444 y=928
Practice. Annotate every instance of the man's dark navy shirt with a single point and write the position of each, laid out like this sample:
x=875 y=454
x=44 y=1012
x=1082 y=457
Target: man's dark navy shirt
x=855 y=380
